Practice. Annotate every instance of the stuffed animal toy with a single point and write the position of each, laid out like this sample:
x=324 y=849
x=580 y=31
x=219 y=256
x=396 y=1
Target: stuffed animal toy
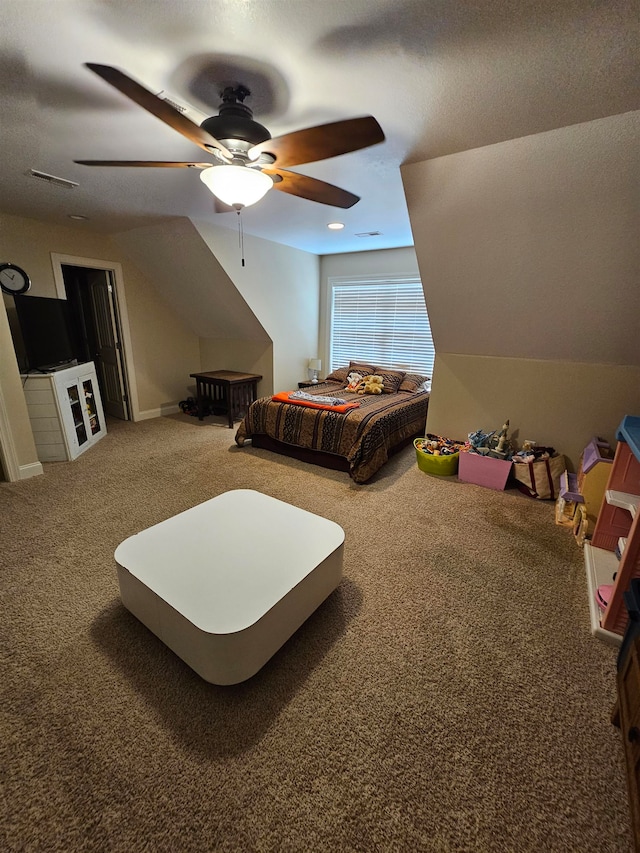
x=371 y=385
x=353 y=381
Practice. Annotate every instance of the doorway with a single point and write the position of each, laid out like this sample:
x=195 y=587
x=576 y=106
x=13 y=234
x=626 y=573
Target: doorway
x=95 y=292
x=91 y=295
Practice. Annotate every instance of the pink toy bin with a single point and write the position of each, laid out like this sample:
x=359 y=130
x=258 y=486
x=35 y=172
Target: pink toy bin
x=484 y=471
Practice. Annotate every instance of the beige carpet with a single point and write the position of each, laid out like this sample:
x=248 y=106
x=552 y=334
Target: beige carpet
x=448 y=697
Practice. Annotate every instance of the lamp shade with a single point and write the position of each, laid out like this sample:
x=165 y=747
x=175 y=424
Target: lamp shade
x=315 y=364
x=237 y=186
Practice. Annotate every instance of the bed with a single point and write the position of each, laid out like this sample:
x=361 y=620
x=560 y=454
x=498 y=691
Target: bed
x=358 y=440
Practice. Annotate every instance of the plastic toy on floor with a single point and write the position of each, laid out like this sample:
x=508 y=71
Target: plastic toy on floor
x=479 y=441
x=500 y=450
x=436 y=445
x=495 y=444
x=603 y=595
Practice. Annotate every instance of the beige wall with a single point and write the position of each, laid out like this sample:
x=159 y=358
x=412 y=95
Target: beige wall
x=529 y=248
x=191 y=280
x=243 y=356
x=561 y=404
x=529 y=254
x=29 y=243
x=165 y=349
x=199 y=290
x=17 y=449
x=281 y=286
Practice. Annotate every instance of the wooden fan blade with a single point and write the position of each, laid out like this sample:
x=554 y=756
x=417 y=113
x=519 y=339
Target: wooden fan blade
x=159 y=108
x=311 y=188
x=321 y=142
x=155 y=164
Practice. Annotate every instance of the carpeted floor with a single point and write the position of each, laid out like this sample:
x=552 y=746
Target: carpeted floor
x=447 y=697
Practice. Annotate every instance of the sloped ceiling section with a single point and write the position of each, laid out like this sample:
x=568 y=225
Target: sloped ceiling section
x=529 y=248
x=174 y=256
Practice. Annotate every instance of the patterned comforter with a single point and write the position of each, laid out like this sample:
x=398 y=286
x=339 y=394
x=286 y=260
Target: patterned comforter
x=364 y=436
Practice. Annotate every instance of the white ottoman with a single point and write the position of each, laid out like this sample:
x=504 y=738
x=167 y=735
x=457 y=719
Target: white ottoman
x=227 y=582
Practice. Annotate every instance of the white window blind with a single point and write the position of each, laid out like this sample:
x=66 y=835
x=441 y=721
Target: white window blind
x=384 y=323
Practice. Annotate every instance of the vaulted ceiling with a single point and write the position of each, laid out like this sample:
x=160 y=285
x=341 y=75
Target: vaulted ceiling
x=440 y=76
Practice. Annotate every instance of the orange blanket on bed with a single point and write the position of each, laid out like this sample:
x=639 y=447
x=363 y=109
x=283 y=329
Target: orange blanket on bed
x=283 y=397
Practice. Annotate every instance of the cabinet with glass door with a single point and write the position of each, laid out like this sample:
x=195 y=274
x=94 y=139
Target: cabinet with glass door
x=81 y=408
x=65 y=411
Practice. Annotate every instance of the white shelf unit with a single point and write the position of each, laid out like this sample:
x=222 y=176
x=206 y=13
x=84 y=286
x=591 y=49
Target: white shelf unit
x=65 y=410
x=600 y=566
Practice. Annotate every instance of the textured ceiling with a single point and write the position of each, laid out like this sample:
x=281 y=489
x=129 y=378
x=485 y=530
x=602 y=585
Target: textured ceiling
x=440 y=76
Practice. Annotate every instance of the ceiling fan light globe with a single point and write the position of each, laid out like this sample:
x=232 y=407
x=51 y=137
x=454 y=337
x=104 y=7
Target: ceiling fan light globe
x=237 y=186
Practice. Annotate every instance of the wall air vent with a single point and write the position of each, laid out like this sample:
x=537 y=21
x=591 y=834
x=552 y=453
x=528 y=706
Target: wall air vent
x=51 y=179
x=369 y=234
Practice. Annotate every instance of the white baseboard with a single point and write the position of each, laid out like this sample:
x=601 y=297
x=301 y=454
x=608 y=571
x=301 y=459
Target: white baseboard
x=33 y=469
x=169 y=409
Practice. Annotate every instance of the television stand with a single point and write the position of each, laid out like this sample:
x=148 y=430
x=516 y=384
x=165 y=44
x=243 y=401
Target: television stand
x=54 y=368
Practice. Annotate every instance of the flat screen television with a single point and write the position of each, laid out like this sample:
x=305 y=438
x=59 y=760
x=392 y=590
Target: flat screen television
x=47 y=331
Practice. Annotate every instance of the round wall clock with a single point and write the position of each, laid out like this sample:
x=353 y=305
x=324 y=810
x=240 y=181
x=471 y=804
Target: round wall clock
x=13 y=279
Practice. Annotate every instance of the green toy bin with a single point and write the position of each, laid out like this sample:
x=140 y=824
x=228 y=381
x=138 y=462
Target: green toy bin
x=443 y=466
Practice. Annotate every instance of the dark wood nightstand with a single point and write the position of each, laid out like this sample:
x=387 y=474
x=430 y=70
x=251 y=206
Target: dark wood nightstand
x=308 y=383
x=228 y=392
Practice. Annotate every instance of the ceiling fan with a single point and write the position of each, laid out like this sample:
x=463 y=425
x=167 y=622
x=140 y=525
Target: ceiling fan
x=247 y=162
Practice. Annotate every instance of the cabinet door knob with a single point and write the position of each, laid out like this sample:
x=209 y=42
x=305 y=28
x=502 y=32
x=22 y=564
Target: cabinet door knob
x=633 y=734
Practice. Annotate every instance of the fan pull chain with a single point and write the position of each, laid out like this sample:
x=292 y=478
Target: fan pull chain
x=240 y=235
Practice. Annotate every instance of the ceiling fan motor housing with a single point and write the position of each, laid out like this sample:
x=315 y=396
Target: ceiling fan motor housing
x=235 y=121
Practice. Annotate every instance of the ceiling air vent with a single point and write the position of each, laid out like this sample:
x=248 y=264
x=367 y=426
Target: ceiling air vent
x=51 y=179
x=369 y=234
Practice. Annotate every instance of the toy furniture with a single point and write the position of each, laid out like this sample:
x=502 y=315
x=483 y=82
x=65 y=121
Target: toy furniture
x=616 y=532
x=226 y=583
x=568 y=501
x=581 y=494
x=227 y=392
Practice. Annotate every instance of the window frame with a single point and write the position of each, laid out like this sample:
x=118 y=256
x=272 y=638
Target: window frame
x=337 y=281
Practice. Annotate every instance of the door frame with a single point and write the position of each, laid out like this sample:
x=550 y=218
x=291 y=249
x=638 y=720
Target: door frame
x=57 y=261
x=8 y=454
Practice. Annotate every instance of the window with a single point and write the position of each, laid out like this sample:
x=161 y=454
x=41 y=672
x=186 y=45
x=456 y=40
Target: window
x=380 y=321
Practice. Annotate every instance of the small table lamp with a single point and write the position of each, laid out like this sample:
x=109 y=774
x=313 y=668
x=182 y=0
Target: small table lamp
x=315 y=366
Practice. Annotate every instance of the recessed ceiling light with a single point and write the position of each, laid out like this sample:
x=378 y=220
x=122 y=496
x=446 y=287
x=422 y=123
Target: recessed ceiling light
x=78 y=216
x=335 y=226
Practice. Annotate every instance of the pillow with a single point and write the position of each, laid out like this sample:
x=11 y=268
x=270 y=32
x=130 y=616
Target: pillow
x=391 y=379
x=338 y=375
x=414 y=382
x=360 y=367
